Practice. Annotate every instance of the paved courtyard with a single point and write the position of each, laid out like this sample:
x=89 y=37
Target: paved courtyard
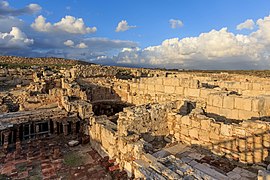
x=54 y=159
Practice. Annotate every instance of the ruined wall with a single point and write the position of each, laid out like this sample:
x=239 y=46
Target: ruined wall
x=150 y=118
x=259 y=86
x=15 y=76
x=150 y=90
x=105 y=138
x=218 y=101
x=248 y=141
x=238 y=107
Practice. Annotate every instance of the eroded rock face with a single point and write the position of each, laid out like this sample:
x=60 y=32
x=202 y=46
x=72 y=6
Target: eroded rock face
x=139 y=116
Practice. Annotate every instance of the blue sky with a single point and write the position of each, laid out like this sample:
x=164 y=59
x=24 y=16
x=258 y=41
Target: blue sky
x=147 y=24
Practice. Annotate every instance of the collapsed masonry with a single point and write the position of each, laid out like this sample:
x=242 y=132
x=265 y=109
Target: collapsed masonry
x=140 y=122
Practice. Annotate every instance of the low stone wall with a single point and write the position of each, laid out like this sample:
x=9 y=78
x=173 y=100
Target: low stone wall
x=105 y=139
x=259 y=87
x=248 y=141
x=13 y=77
x=238 y=107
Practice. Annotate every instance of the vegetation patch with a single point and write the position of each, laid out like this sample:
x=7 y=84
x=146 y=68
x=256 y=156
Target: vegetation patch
x=73 y=159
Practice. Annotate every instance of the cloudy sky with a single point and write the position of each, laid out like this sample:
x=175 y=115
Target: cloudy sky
x=189 y=34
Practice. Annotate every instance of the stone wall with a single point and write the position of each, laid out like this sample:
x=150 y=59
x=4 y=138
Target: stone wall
x=225 y=103
x=248 y=141
x=238 y=107
x=150 y=118
x=15 y=76
x=105 y=138
x=258 y=87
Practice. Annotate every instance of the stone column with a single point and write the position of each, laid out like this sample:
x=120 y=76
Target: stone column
x=18 y=147
x=30 y=149
x=12 y=136
x=81 y=130
x=73 y=127
x=1 y=140
x=29 y=127
x=23 y=132
x=18 y=133
x=18 y=141
x=65 y=128
x=49 y=127
x=55 y=130
x=36 y=130
x=5 y=146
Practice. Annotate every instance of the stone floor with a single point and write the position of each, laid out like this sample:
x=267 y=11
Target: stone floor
x=42 y=162
x=197 y=163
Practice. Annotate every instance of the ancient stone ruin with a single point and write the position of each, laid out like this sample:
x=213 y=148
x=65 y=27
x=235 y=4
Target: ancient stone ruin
x=150 y=124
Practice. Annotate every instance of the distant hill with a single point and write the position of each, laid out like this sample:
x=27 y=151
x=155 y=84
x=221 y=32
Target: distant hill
x=26 y=61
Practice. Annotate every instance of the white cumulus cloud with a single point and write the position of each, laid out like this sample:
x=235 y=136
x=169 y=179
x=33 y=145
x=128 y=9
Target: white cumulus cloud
x=68 y=24
x=175 y=23
x=123 y=26
x=14 y=39
x=69 y=43
x=81 y=45
x=213 y=49
x=248 y=24
x=6 y=10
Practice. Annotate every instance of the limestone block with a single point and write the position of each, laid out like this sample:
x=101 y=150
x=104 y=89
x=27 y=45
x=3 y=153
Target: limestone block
x=260 y=155
x=228 y=102
x=212 y=109
x=168 y=82
x=266 y=87
x=169 y=89
x=256 y=86
x=215 y=127
x=192 y=92
x=159 y=88
x=266 y=137
x=239 y=132
x=205 y=124
x=184 y=131
x=185 y=120
x=194 y=133
x=210 y=100
x=247 y=114
x=266 y=108
x=175 y=82
x=142 y=87
x=243 y=103
x=234 y=114
x=151 y=87
x=204 y=135
x=204 y=93
x=217 y=100
x=194 y=83
x=257 y=104
x=195 y=123
x=214 y=136
x=159 y=81
x=179 y=90
x=226 y=113
x=226 y=130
